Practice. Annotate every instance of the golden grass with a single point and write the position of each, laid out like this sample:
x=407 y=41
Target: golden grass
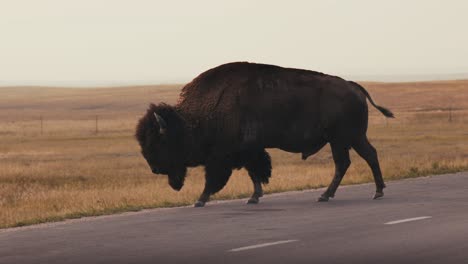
x=71 y=172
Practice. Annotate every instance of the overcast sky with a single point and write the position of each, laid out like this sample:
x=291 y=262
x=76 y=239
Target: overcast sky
x=88 y=42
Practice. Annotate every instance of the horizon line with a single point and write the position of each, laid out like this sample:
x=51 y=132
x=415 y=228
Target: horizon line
x=388 y=78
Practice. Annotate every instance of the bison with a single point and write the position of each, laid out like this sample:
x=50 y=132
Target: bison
x=228 y=115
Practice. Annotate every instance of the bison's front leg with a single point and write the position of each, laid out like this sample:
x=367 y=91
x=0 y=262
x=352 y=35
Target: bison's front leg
x=216 y=176
x=204 y=197
x=258 y=192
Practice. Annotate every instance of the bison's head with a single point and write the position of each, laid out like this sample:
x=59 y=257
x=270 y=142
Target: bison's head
x=160 y=133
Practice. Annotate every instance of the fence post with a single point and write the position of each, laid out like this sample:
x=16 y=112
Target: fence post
x=450 y=114
x=42 y=125
x=97 y=128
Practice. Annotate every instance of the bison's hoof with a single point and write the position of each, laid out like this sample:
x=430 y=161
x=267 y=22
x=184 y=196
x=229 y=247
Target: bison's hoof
x=378 y=195
x=253 y=200
x=323 y=198
x=199 y=204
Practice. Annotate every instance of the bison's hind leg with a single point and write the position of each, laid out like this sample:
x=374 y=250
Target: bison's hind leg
x=259 y=169
x=340 y=154
x=364 y=148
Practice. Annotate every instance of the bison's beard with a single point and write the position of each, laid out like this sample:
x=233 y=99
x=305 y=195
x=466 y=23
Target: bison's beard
x=177 y=178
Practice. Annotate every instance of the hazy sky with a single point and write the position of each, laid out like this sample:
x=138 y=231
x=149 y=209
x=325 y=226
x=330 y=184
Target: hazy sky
x=85 y=42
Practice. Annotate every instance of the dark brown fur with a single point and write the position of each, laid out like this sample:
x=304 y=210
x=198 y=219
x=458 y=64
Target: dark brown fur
x=228 y=115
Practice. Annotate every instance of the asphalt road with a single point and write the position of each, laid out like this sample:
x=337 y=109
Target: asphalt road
x=422 y=220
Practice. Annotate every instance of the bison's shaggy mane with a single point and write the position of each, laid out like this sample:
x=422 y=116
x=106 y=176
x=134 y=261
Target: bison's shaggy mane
x=220 y=77
x=176 y=127
x=145 y=124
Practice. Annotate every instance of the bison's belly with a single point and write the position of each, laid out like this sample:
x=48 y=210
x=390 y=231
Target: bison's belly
x=301 y=145
x=298 y=138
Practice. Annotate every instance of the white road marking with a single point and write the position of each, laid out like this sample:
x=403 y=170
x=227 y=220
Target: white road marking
x=263 y=245
x=407 y=220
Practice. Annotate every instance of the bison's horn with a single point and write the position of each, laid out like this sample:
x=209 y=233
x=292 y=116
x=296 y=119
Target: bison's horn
x=162 y=124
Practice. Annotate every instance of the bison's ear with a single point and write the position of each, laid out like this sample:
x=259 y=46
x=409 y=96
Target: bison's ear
x=162 y=124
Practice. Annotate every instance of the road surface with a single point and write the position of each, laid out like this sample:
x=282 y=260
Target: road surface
x=422 y=220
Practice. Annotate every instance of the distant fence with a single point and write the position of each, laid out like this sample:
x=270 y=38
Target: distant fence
x=96 y=129
x=421 y=117
x=102 y=124
x=49 y=125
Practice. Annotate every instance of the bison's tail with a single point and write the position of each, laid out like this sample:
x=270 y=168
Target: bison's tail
x=386 y=112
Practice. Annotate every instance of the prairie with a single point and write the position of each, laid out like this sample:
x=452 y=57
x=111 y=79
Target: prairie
x=76 y=166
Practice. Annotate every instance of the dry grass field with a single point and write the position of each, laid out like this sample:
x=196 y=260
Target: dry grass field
x=69 y=171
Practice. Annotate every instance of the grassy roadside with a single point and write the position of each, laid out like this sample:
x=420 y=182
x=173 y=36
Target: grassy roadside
x=56 y=177
x=70 y=172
